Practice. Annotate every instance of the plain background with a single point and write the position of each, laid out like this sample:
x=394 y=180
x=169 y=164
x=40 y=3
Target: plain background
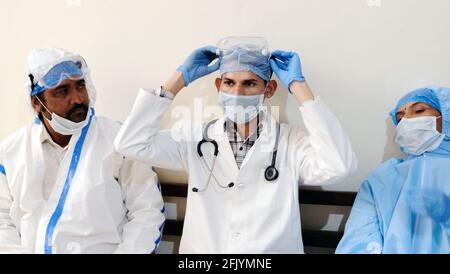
x=359 y=56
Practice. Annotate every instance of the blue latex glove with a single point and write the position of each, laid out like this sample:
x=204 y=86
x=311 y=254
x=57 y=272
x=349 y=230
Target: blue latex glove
x=287 y=67
x=197 y=64
x=428 y=202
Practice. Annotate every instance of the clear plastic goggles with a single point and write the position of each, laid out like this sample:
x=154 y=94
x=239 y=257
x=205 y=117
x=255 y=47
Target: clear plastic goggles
x=71 y=69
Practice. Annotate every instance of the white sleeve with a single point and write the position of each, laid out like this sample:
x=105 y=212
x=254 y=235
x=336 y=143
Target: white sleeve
x=141 y=191
x=325 y=155
x=140 y=139
x=10 y=241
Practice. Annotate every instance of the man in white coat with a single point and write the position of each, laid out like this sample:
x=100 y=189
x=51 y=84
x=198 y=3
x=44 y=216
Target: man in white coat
x=244 y=169
x=63 y=188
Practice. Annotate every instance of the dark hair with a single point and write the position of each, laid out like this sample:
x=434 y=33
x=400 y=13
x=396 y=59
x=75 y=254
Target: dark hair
x=40 y=96
x=33 y=85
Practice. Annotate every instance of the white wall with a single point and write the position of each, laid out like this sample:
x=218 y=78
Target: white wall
x=358 y=56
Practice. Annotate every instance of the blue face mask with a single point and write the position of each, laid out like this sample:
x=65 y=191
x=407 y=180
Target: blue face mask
x=241 y=109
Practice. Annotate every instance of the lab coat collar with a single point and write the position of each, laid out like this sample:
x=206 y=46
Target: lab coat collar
x=45 y=137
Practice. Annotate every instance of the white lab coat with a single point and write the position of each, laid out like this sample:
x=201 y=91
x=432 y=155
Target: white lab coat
x=255 y=216
x=112 y=204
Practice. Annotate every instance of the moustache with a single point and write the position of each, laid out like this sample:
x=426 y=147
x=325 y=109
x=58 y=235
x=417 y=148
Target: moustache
x=76 y=108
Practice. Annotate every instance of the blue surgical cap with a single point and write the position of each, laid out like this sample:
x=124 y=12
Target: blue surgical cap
x=242 y=58
x=425 y=95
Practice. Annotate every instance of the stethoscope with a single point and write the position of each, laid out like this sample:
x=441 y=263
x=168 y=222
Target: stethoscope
x=271 y=173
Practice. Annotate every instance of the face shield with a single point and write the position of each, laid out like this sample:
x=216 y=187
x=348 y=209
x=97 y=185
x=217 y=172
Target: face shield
x=75 y=69
x=245 y=54
x=47 y=68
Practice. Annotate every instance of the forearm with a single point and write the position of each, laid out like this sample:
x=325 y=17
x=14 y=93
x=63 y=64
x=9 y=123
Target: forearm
x=137 y=138
x=175 y=83
x=330 y=150
x=301 y=91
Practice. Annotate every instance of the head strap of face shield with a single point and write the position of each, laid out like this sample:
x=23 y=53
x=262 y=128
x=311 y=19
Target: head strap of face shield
x=35 y=88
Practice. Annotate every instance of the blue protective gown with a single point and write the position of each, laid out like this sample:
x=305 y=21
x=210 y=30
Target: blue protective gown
x=381 y=220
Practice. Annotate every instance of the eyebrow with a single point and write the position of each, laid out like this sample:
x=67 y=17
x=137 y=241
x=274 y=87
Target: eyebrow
x=62 y=87
x=417 y=103
x=81 y=81
x=228 y=79
x=246 y=80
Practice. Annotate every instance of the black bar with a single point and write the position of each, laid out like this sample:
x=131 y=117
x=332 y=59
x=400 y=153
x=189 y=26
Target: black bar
x=174 y=190
x=173 y=227
x=320 y=197
x=314 y=197
x=319 y=238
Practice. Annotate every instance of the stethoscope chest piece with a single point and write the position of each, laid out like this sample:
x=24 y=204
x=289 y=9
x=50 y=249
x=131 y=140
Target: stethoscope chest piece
x=271 y=174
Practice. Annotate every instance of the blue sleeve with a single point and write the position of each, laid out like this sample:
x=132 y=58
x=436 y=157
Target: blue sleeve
x=2 y=170
x=362 y=231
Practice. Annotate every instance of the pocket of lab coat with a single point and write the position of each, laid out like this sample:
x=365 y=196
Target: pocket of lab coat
x=278 y=193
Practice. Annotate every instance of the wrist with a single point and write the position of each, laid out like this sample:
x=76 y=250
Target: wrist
x=301 y=91
x=297 y=86
x=175 y=83
x=162 y=92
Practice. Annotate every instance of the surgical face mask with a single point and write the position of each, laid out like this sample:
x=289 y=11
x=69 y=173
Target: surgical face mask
x=418 y=135
x=64 y=126
x=241 y=109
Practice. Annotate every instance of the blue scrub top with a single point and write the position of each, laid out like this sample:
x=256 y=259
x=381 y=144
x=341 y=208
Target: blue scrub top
x=381 y=220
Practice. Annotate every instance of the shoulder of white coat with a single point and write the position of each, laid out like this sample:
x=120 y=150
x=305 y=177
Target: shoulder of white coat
x=107 y=126
x=189 y=129
x=294 y=133
x=107 y=130
x=16 y=138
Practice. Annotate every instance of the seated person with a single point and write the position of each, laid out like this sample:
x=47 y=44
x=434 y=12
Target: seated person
x=403 y=206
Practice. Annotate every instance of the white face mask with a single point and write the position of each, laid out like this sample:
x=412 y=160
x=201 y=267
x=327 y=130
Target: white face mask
x=64 y=126
x=418 y=135
x=241 y=109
